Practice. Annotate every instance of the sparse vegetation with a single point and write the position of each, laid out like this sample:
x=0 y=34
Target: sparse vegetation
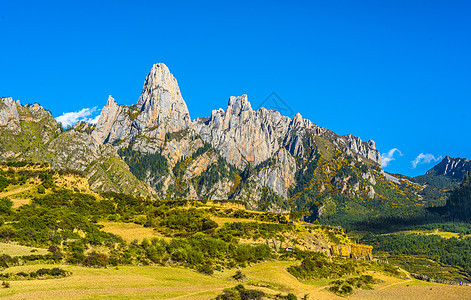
x=345 y=287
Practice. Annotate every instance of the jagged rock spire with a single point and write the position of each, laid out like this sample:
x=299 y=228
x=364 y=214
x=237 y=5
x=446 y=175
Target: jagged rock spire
x=159 y=110
x=161 y=103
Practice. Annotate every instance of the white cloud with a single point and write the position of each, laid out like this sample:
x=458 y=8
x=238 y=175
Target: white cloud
x=386 y=158
x=70 y=118
x=94 y=121
x=424 y=159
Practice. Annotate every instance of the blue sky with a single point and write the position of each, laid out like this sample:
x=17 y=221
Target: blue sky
x=397 y=72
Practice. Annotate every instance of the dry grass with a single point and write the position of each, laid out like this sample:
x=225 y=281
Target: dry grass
x=14 y=190
x=125 y=283
x=130 y=231
x=73 y=182
x=18 y=250
x=414 y=289
x=20 y=202
x=147 y=282
x=220 y=221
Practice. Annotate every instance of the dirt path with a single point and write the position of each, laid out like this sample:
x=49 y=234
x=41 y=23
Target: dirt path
x=197 y=293
x=16 y=191
x=393 y=284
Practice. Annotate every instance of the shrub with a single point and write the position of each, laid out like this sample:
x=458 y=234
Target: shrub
x=206 y=269
x=95 y=259
x=239 y=276
x=7 y=231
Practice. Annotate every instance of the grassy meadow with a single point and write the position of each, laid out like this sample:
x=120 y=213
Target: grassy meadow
x=149 y=282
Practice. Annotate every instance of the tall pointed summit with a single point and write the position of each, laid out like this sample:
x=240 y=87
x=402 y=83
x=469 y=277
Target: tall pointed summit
x=159 y=110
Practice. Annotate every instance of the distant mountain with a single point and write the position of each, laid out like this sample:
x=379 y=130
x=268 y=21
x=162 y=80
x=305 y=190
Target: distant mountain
x=455 y=168
x=442 y=179
x=153 y=148
x=30 y=133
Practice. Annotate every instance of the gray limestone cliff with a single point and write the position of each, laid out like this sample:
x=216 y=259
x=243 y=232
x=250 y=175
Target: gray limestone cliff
x=159 y=110
x=242 y=135
x=247 y=137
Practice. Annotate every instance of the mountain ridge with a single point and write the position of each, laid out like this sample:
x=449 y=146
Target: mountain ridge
x=455 y=168
x=269 y=161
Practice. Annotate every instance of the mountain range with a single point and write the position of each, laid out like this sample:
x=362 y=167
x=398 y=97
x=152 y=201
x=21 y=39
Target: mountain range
x=269 y=161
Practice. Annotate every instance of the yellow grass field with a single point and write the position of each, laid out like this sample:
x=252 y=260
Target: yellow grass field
x=220 y=221
x=18 y=250
x=130 y=231
x=142 y=282
x=148 y=282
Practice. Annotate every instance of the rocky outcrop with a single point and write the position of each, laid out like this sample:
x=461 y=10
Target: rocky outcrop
x=8 y=111
x=114 y=123
x=354 y=145
x=300 y=140
x=279 y=175
x=356 y=251
x=162 y=108
x=454 y=168
x=242 y=135
x=159 y=110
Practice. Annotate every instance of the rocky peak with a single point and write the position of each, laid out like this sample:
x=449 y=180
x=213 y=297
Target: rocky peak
x=8 y=112
x=300 y=123
x=354 y=145
x=159 y=110
x=371 y=144
x=237 y=105
x=241 y=134
x=161 y=103
x=110 y=103
x=7 y=100
x=455 y=168
x=158 y=79
x=113 y=124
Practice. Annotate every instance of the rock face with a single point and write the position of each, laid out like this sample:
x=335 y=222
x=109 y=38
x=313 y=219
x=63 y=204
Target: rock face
x=114 y=123
x=356 y=251
x=281 y=174
x=159 y=110
x=9 y=113
x=242 y=135
x=455 y=168
x=247 y=137
x=300 y=140
x=161 y=105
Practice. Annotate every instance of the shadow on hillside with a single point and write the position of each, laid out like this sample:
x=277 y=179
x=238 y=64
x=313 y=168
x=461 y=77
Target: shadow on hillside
x=385 y=224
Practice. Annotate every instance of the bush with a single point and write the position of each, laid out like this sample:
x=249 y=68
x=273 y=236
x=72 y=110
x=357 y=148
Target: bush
x=239 y=276
x=206 y=269
x=5 y=206
x=240 y=293
x=41 y=189
x=7 y=231
x=95 y=259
